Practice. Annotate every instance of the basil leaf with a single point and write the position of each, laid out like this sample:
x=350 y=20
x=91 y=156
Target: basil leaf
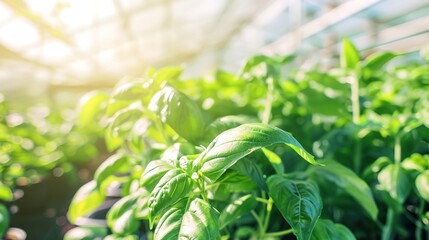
x=121 y=217
x=347 y=180
x=422 y=184
x=234 y=144
x=110 y=166
x=349 y=55
x=237 y=209
x=200 y=221
x=298 y=201
x=5 y=193
x=86 y=199
x=172 y=187
x=327 y=230
x=4 y=220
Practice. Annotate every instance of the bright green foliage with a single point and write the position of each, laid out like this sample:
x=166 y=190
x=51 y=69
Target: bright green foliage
x=236 y=209
x=349 y=182
x=180 y=112
x=218 y=157
x=200 y=221
x=109 y=167
x=91 y=106
x=232 y=145
x=122 y=216
x=4 y=219
x=298 y=201
x=349 y=55
x=422 y=184
x=171 y=188
x=5 y=193
x=87 y=198
x=395 y=181
x=377 y=60
x=327 y=230
x=85 y=233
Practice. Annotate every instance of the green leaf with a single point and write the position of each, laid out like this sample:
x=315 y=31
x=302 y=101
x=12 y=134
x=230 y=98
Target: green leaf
x=168 y=74
x=348 y=181
x=91 y=106
x=110 y=166
x=5 y=193
x=86 y=199
x=416 y=162
x=120 y=125
x=169 y=225
x=422 y=184
x=154 y=171
x=275 y=161
x=116 y=237
x=200 y=221
x=121 y=218
x=180 y=112
x=237 y=209
x=86 y=233
x=330 y=107
x=131 y=90
x=252 y=170
x=4 y=220
x=327 y=230
x=234 y=144
x=298 y=201
x=377 y=60
x=172 y=187
x=349 y=55
x=394 y=180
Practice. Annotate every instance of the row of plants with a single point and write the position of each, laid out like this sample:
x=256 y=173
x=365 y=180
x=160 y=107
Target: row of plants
x=231 y=156
x=207 y=158
x=40 y=153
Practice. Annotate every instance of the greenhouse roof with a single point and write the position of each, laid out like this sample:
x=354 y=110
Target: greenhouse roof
x=93 y=43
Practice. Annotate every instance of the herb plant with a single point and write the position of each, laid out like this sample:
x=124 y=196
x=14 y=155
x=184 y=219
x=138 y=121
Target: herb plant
x=191 y=169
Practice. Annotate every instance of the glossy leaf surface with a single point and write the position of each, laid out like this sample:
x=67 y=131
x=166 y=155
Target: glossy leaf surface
x=298 y=201
x=234 y=144
x=349 y=182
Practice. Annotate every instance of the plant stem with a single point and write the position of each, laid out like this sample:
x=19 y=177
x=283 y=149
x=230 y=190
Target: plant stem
x=355 y=98
x=397 y=150
x=203 y=191
x=278 y=234
x=391 y=216
x=355 y=118
x=268 y=214
x=419 y=223
x=388 y=228
x=258 y=220
x=268 y=101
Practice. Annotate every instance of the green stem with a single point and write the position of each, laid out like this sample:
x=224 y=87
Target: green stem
x=268 y=101
x=203 y=191
x=397 y=149
x=388 y=232
x=279 y=234
x=388 y=228
x=258 y=220
x=419 y=223
x=355 y=117
x=268 y=214
x=355 y=98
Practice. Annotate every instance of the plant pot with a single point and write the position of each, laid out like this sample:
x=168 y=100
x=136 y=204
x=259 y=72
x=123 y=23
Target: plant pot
x=15 y=234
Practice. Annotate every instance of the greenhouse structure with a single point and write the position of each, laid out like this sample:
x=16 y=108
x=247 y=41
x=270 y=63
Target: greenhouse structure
x=214 y=120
